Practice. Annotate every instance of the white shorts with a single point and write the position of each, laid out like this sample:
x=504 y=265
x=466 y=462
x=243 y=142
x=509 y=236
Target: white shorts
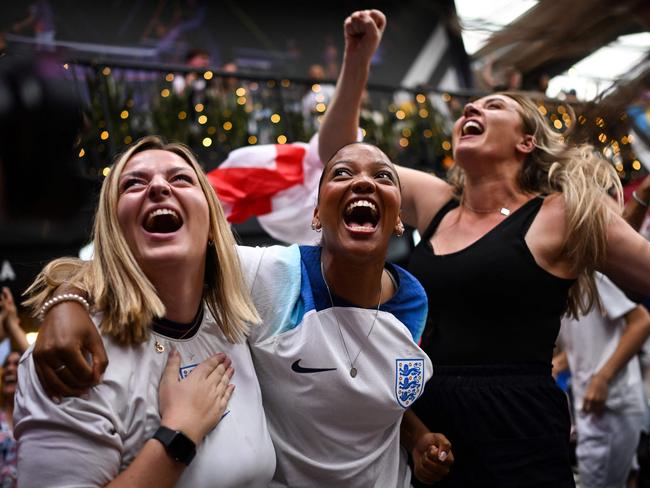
x=607 y=447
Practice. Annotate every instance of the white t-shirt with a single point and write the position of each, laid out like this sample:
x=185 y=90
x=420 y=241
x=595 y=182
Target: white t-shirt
x=330 y=429
x=89 y=441
x=590 y=342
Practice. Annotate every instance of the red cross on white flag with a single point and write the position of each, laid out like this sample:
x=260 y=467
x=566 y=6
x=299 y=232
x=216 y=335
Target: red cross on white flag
x=278 y=183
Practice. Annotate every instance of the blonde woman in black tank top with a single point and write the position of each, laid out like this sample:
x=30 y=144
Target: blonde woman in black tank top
x=509 y=245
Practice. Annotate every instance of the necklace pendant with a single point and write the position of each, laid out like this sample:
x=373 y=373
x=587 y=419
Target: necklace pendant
x=159 y=347
x=504 y=211
x=353 y=371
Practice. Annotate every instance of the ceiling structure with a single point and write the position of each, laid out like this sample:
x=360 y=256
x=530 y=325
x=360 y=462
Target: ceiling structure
x=551 y=37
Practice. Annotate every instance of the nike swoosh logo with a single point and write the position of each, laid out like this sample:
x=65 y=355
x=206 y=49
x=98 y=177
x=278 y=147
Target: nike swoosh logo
x=299 y=369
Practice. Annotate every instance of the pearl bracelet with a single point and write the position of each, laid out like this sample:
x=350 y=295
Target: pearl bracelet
x=64 y=297
x=639 y=201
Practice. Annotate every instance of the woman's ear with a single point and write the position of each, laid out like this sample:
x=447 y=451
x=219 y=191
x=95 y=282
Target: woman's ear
x=315 y=221
x=527 y=144
x=399 y=228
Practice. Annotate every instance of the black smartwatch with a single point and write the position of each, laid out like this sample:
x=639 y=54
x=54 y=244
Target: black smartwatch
x=178 y=445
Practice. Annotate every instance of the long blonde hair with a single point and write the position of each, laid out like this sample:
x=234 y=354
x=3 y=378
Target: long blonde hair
x=117 y=285
x=585 y=179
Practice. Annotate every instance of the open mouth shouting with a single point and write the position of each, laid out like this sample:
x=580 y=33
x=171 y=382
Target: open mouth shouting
x=472 y=128
x=9 y=379
x=162 y=221
x=361 y=216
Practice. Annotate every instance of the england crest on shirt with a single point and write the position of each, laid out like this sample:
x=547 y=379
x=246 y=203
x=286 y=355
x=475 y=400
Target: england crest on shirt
x=409 y=374
x=184 y=371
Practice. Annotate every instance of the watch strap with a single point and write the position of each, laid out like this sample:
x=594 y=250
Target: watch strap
x=179 y=447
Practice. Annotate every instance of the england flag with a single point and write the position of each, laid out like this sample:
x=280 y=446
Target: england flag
x=278 y=183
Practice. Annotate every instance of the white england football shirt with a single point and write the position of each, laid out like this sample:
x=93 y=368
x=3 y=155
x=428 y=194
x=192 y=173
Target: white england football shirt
x=328 y=428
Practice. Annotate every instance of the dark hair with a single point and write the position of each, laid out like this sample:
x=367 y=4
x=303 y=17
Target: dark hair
x=322 y=175
x=193 y=53
x=6 y=361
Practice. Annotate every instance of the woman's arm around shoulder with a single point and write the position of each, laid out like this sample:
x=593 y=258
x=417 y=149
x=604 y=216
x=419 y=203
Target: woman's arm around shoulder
x=66 y=336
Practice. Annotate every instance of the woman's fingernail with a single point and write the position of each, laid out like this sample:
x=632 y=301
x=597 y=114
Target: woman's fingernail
x=442 y=456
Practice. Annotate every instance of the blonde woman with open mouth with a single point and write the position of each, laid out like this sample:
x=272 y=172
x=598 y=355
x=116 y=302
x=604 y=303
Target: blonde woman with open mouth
x=336 y=353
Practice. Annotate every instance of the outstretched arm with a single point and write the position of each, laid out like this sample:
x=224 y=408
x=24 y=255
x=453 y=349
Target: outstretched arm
x=632 y=339
x=363 y=31
x=628 y=257
x=422 y=194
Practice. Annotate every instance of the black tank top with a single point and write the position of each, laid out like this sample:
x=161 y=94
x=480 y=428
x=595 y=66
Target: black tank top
x=490 y=303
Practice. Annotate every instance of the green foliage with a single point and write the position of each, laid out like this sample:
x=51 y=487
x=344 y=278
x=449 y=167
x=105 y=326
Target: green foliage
x=223 y=115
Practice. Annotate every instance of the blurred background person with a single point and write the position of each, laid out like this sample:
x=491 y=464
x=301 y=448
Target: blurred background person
x=600 y=349
x=636 y=214
x=636 y=208
x=331 y=59
x=195 y=58
x=40 y=19
x=317 y=97
x=229 y=82
x=9 y=325
x=508 y=78
x=542 y=83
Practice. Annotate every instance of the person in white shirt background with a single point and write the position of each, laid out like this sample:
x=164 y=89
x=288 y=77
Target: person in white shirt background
x=600 y=349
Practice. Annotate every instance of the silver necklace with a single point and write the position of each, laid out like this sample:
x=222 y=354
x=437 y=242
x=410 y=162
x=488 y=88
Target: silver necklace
x=502 y=210
x=353 y=369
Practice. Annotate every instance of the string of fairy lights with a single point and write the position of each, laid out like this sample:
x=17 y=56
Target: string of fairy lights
x=612 y=139
x=413 y=132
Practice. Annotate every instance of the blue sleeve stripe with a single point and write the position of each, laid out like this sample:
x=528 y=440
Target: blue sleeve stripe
x=409 y=305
